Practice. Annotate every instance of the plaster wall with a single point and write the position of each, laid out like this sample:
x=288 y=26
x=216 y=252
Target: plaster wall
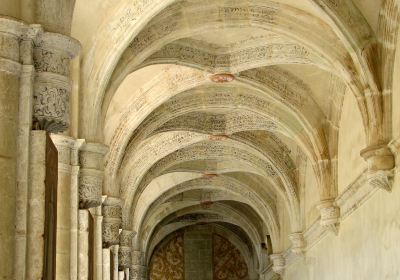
x=367 y=246
x=351 y=141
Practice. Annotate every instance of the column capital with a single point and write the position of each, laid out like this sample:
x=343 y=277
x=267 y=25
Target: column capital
x=330 y=215
x=91 y=160
x=278 y=263
x=125 y=252
x=112 y=218
x=52 y=54
x=380 y=161
x=298 y=243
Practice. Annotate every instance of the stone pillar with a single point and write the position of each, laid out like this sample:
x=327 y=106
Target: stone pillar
x=137 y=270
x=52 y=55
x=106 y=264
x=91 y=159
x=10 y=70
x=298 y=243
x=278 y=263
x=380 y=162
x=98 y=244
x=330 y=215
x=112 y=213
x=114 y=253
x=125 y=249
x=121 y=275
x=83 y=264
x=66 y=214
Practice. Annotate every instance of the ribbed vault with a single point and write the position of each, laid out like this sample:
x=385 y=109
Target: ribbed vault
x=220 y=112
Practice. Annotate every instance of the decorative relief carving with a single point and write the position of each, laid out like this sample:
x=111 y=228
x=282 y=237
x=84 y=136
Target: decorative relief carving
x=125 y=248
x=51 y=103
x=47 y=61
x=112 y=218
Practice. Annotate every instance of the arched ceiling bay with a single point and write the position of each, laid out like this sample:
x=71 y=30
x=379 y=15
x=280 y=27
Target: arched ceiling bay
x=223 y=102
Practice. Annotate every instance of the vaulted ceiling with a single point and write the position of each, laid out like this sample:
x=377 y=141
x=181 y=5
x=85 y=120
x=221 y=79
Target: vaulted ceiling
x=213 y=108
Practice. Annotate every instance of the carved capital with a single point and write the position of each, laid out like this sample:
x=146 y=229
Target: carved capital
x=112 y=214
x=278 y=263
x=52 y=54
x=330 y=215
x=298 y=243
x=381 y=162
x=91 y=160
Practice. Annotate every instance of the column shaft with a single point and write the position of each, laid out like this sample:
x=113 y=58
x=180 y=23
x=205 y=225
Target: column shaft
x=83 y=264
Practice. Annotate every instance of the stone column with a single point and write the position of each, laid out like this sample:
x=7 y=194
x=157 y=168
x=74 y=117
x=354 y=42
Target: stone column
x=106 y=264
x=83 y=264
x=114 y=251
x=330 y=215
x=10 y=70
x=91 y=159
x=98 y=244
x=67 y=203
x=121 y=275
x=380 y=162
x=112 y=213
x=125 y=249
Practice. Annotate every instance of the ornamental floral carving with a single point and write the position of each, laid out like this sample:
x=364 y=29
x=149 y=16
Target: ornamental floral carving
x=51 y=107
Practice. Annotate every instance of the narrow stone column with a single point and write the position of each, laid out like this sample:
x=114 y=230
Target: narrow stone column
x=67 y=149
x=106 y=264
x=112 y=213
x=10 y=69
x=98 y=244
x=121 y=275
x=91 y=159
x=125 y=249
x=114 y=251
x=83 y=264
